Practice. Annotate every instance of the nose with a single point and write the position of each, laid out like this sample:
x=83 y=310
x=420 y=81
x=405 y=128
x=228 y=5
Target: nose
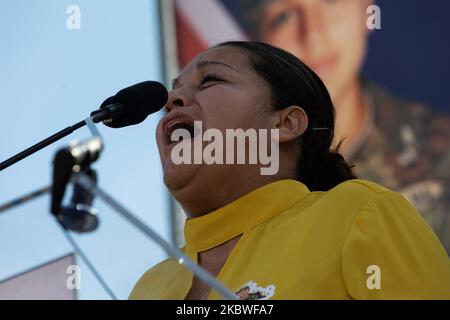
x=176 y=99
x=313 y=26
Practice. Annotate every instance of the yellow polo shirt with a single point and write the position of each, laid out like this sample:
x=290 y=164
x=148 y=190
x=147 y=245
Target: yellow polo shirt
x=358 y=240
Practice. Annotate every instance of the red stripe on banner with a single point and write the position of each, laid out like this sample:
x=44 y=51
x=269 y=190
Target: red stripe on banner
x=189 y=42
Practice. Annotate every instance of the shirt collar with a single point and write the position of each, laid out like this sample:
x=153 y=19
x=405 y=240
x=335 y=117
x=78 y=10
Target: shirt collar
x=212 y=229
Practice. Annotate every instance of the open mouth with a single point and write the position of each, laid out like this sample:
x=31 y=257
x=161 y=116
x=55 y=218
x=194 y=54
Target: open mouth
x=186 y=125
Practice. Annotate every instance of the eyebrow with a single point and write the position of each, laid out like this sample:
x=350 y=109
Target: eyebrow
x=203 y=64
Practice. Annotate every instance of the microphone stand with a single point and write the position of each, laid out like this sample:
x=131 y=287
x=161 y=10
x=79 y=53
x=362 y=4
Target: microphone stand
x=96 y=116
x=137 y=96
x=40 y=145
x=182 y=259
x=39 y=192
x=86 y=182
x=28 y=197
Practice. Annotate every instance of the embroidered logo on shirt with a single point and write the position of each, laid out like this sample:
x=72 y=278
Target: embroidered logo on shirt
x=251 y=291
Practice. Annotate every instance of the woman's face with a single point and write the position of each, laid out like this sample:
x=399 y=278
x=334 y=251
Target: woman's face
x=328 y=35
x=219 y=88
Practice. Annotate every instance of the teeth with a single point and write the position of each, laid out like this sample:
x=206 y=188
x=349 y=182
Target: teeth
x=173 y=123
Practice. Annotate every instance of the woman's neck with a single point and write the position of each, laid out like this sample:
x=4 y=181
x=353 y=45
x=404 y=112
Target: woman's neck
x=206 y=202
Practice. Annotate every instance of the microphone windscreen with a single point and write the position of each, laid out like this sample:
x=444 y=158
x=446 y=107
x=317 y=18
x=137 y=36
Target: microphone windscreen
x=138 y=101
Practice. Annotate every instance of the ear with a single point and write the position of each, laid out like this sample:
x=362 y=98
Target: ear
x=291 y=121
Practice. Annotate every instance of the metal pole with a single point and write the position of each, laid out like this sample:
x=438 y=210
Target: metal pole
x=182 y=259
x=25 y=198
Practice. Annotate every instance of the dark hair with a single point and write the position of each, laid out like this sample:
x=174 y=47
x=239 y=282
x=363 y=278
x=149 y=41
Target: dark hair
x=292 y=83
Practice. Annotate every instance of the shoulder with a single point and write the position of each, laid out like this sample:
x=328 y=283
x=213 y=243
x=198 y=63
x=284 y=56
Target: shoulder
x=356 y=190
x=166 y=266
x=376 y=199
x=148 y=279
x=391 y=235
x=362 y=202
x=156 y=282
x=360 y=186
x=335 y=210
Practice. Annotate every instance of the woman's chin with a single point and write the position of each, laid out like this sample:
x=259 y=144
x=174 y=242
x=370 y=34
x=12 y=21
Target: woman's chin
x=176 y=177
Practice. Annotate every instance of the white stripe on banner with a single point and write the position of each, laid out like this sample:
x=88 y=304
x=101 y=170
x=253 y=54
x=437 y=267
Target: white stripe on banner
x=210 y=20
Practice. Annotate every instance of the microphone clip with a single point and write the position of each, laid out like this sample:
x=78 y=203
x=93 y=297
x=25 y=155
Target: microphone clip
x=79 y=215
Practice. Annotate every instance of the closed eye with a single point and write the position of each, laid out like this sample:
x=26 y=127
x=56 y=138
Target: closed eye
x=209 y=77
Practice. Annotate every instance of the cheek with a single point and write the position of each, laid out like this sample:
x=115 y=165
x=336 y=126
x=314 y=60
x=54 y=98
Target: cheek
x=348 y=32
x=228 y=108
x=348 y=40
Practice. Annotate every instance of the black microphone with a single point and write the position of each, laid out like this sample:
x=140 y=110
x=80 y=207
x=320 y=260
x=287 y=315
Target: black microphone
x=131 y=105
